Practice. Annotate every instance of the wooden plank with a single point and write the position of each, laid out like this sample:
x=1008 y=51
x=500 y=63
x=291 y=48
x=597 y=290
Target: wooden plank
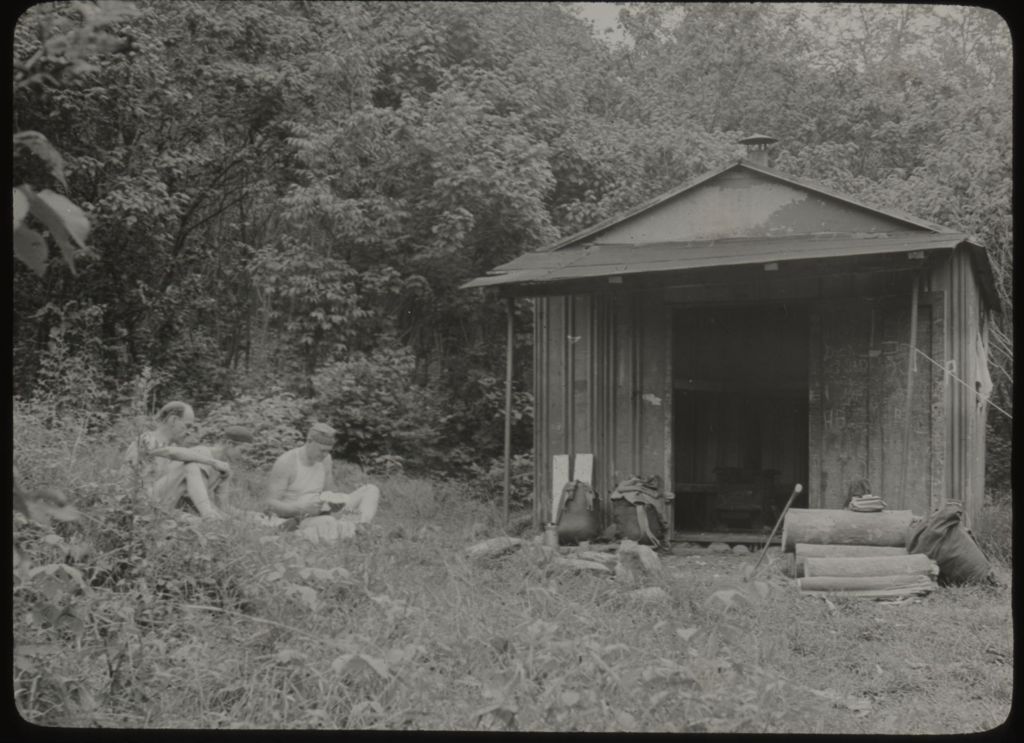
x=623 y=385
x=890 y=415
x=667 y=422
x=556 y=412
x=653 y=396
x=817 y=477
x=936 y=477
x=605 y=392
x=568 y=363
x=844 y=381
x=541 y=453
x=581 y=350
x=583 y=468
x=729 y=537
x=559 y=478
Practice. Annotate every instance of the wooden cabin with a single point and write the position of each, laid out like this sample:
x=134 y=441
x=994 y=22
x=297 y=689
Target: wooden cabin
x=748 y=331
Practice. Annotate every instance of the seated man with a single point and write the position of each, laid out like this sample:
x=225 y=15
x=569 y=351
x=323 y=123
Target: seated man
x=301 y=486
x=227 y=449
x=171 y=474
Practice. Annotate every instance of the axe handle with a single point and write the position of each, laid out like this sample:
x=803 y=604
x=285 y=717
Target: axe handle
x=797 y=489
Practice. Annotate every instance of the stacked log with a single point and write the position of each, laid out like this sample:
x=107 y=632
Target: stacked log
x=855 y=554
x=835 y=526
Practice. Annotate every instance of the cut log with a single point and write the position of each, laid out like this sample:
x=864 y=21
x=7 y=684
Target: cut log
x=834 y=584
x=835 y=526
x=854 y=567
x=803 y=551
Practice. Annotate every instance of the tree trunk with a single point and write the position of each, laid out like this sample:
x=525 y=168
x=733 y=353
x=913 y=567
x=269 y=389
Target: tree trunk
x=873 y=585
x=803 y=551
x=832 y=526
x=865 y=567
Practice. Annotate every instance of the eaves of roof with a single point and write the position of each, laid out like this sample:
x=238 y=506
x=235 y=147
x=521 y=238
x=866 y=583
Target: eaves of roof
x=596 y=260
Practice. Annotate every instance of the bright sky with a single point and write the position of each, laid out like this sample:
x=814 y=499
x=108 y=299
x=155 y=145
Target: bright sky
x=604 y=16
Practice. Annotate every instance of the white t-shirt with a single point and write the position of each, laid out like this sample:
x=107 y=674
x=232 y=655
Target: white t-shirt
x=303 y=478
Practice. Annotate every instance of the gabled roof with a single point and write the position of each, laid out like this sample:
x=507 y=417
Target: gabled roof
x=708 y=223
x=595 y=230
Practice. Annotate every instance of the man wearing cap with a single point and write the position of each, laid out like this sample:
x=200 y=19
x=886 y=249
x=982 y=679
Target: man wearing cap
x=173 y=474
x=301 y=486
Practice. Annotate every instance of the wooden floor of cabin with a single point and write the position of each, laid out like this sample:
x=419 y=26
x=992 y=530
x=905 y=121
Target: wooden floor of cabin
x=730 y=537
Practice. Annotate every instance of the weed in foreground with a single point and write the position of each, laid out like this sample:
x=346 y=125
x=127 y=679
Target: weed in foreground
x=130 y=618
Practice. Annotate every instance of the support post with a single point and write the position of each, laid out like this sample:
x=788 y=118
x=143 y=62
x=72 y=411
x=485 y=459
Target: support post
x=911 y=363
x=510 y=311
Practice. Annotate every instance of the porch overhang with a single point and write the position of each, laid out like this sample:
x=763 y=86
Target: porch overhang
x=537 y=273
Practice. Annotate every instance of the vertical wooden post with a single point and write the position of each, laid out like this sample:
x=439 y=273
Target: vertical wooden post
x=510 y=308
x=911 y=363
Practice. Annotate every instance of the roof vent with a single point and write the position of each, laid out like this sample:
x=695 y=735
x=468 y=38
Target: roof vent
x=757 y=148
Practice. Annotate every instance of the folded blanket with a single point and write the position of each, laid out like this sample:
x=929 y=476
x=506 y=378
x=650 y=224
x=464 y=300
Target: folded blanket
x=866 y=503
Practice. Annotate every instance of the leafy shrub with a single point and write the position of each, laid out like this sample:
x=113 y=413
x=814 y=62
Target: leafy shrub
x=71 y=378
x=993 y=530
x=278 y=422
x=473 y=428
x=521 y=481
x=191 y=364
x=378 y=410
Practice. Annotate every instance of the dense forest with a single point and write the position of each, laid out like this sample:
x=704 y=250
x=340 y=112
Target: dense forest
x=267 y=208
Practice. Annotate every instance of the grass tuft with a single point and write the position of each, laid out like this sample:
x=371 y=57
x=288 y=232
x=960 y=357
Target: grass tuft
x=180 y=623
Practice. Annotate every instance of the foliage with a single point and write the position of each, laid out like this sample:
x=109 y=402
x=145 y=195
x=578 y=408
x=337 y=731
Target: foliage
x=273 y=188
x=474 y=422
x=377 y=409
x=993 y=530
x=129 y=618
x=278 y=422
x=520 y=480
x=67 y=42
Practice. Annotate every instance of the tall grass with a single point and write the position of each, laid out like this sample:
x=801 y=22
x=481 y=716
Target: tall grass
x=180 y=623
x=993 y=531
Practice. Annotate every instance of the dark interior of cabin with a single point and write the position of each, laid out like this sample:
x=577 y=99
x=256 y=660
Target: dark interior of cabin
x=739 y=377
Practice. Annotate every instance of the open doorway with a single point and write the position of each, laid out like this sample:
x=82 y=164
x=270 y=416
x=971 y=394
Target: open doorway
x=739 y=418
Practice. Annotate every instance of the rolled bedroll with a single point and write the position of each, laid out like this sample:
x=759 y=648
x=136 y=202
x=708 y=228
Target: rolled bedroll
x=837 y=526
x=804 y=550
x=868 y=586
x=861 y=567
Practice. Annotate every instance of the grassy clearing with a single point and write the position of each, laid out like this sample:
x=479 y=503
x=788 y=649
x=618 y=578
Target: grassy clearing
x=228 y=625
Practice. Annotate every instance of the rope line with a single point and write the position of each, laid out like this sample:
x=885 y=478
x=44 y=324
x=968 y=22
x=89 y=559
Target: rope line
x=985 y=398
x=998 y=333
x=1000 y=346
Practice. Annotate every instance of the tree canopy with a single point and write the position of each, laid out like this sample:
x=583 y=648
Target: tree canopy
x=278 y=192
